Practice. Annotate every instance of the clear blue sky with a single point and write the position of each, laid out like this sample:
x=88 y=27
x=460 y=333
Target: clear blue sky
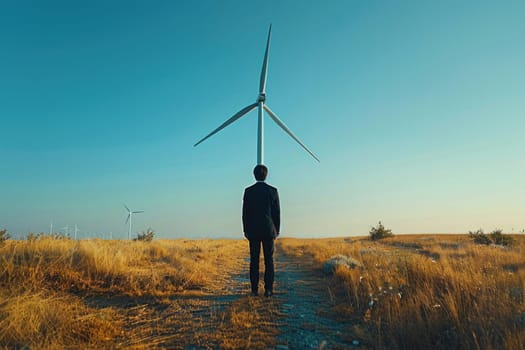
x=415 y=108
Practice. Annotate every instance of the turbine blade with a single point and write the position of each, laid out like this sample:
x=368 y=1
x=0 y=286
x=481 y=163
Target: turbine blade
x=288 y=131
x=264 y=71
x=229 y=121
x=125 y=206
x=138 y=211
x=127 y=219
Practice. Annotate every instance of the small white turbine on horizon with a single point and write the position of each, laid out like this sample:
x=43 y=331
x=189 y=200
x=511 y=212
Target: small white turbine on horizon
x=260 y=103
x=128 y=219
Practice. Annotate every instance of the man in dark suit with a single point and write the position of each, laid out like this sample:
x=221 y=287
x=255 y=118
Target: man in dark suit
x=261 y=219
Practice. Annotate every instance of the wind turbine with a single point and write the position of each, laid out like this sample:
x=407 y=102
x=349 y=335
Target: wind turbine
x=76 y=231
x=261 y=105
x=128 y=219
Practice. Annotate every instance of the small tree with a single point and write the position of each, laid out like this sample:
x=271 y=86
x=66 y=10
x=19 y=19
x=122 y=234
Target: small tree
x=4 y=236
x=380 y=232
x=145 y=236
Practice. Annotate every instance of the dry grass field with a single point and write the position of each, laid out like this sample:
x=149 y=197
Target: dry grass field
x=409 y=292
x=426 y=291
x=59 y=293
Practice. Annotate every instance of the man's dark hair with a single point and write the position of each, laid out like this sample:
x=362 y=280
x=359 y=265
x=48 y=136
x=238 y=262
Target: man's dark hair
x=260 y=172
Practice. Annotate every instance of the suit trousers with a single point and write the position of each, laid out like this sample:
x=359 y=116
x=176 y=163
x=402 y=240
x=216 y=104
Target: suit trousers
x=255 y=252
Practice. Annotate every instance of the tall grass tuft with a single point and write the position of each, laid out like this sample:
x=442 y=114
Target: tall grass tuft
x=48 y=320
x=4 y=236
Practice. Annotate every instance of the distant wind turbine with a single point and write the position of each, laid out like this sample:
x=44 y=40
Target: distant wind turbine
x=51 y=228
x=260 y=103
x=66 y=228
x=76 y=231
x=128 y=219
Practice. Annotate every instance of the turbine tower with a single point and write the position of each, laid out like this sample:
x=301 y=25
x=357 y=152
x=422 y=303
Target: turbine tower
x=260 y=103
x=66 y=228
x=128 y=219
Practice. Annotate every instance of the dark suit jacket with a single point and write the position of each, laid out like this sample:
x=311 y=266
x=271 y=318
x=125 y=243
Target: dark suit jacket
x=261 y=214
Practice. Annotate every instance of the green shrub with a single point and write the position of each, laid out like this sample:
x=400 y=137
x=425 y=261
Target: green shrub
x=495 y=237
x=4 y=236
x=498 y=237
x=380 y=232
x=479 y=237
x=145 y=236
x=32 y=236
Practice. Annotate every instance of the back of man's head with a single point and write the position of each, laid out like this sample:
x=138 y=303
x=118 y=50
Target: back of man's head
x=260 y=172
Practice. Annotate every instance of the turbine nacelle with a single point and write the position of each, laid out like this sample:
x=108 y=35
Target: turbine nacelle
x=261 y=97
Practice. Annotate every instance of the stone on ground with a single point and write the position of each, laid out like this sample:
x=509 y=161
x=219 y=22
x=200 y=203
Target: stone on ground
x=340 y=260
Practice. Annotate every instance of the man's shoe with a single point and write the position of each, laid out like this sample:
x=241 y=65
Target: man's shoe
x=268 y=293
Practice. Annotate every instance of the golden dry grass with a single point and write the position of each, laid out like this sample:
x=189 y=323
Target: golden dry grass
x=47 y=287
x=47 y=320
x=426 y=291
x=412 y=292
x=132 y=268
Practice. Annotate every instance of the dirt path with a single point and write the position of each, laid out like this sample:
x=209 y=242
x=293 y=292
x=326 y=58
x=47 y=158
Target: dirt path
x=300 y=310
x=225 y=316
x=305 y=303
